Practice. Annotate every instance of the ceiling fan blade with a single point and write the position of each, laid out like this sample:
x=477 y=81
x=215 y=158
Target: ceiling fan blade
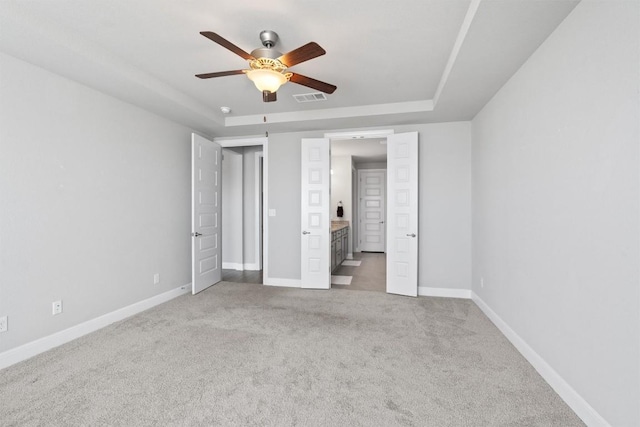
x=303 y=53
x=227 y=44
x=219 y=74
x=312 y=83
x=269 y=96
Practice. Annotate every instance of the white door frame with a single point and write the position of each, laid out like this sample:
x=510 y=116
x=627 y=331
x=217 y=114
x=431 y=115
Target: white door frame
x=381 y=133
x=259 y=189
x=361 y=134
x=264 y=142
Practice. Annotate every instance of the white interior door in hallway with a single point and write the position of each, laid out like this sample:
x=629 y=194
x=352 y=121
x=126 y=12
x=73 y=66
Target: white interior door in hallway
x=315 y=217
x=372 y=210
x=402 y=214
x=206 y=255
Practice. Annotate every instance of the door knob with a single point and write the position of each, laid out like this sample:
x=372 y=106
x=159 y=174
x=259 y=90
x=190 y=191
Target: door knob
x=196 y=234
x=411 y=235
x=381 y=222
x=306 y=232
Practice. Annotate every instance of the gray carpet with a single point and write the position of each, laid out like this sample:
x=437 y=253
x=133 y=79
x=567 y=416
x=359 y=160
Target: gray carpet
x=240 y=354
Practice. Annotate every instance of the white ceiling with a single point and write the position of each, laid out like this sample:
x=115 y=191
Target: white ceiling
x=415 y=61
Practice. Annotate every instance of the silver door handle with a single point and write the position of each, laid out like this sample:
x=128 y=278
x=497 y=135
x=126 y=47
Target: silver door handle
x=196 y=234
x=411 y=235
x=381 y=222
x=306 y=232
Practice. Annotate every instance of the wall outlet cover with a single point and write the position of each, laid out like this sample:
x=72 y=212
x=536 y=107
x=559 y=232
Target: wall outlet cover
x=4 y=325
x=56 y=307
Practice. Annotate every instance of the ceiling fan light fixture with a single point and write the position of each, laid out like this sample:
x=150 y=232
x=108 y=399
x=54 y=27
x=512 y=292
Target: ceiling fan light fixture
x=266 y=79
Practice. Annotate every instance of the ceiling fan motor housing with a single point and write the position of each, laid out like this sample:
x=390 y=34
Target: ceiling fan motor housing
x=265 y=52
x=269 y=39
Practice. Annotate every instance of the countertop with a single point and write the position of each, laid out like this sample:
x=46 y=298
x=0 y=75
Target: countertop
x=338 y=225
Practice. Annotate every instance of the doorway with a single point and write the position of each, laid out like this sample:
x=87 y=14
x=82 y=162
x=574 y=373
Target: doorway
x=372 y=208
x=402 y=209
x=360 y=166
x=244 y=257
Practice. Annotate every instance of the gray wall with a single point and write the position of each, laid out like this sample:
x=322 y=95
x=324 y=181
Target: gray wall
x=94 y=200
x=556 y=205
x=249 y=213
x=232 y=206
x=239 y=207
x=445 y=204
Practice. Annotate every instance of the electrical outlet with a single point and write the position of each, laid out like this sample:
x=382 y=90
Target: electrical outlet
x=56 y=307
x=482 y=282
x=4 y=325
x=156 y=278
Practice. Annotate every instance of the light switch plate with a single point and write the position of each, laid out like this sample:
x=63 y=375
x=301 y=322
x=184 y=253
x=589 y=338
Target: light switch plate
x=272 y=212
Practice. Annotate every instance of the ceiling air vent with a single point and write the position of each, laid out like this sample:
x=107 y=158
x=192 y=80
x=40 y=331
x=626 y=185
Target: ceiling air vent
x=310 y=97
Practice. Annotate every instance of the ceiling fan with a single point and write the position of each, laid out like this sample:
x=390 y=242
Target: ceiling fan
x=268 y=67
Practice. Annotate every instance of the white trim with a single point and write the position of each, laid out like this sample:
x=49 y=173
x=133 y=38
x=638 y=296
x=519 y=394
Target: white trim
x=41 y=345
x=462 y=35
x=258 y=187
x=360 y=134
x=240 y=266
x=254 y=266
x=240 y=142
x=426 y=291
x=420 y=106
x=233 y=266
x=571 y=397
x=265 y=210
x=288 y=283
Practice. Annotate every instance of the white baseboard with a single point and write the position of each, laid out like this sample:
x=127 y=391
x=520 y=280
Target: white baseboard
x=564 y=390
x=425 y=291
x=288 y=283
x=232 y=266
x=350 y=255
x=26 y=351
x=240 y=266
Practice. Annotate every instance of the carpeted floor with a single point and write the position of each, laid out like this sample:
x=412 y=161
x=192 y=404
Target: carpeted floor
x=244 y=354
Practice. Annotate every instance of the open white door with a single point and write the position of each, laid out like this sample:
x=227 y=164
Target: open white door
x=316 y=225
x=206 y=255
x=402 y=214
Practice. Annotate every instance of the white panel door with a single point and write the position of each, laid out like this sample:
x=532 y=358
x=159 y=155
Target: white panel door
x=315 y=221
x=402 y=214
x=372 y=210
x=206 y=209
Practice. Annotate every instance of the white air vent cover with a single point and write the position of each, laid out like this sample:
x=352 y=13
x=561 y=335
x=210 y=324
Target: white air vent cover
x=310 y=97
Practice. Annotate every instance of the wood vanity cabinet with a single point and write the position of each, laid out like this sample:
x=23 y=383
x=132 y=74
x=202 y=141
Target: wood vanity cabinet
x=339 y=247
